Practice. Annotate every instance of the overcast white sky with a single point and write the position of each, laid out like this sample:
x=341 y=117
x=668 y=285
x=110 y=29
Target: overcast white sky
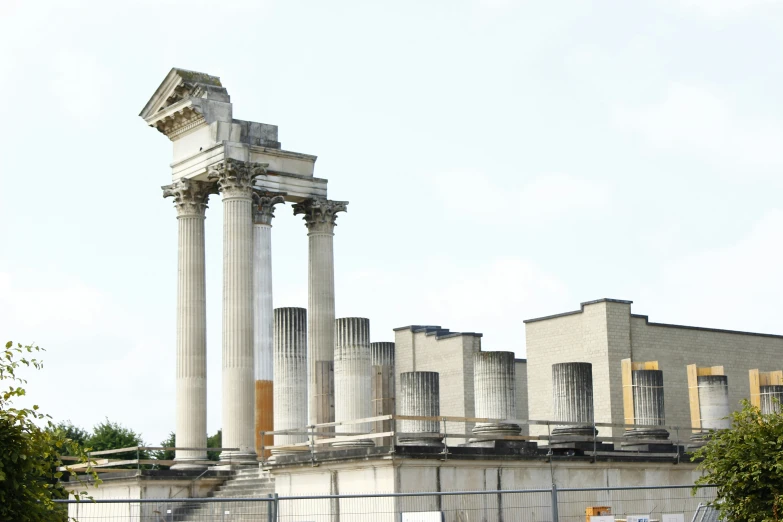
x=503 y=159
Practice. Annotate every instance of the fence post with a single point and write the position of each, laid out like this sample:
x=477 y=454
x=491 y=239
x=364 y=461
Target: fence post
x=555 y=517
x=271 y=507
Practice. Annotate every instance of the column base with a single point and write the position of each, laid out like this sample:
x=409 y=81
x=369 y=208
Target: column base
x=354 y=444
x=192 y=463
x=424 y=439
x=489 y=432
x=238 y=458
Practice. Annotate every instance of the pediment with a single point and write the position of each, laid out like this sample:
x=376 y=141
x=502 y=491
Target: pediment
x=180 y=85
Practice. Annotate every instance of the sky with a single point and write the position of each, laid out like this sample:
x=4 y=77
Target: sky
x=503 y=160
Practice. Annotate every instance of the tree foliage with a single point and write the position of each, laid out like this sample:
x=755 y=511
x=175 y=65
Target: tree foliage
x=109 y=435
x=746 y=464
x=29 y=454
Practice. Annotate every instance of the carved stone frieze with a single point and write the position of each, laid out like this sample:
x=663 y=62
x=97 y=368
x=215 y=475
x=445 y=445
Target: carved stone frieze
x=180 y=122
x=235 y=178
x=190 y=196
x=264 y=206
x=320 y=214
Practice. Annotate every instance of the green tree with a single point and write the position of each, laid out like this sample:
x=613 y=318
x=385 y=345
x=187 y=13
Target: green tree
x=30 y=455
x=215 y=441
x=746 y=464
x=110 y=435
x=69 y=431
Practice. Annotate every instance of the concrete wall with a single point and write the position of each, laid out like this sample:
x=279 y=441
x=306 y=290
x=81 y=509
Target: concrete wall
x=429 y=475
x=604 y=332
x=433 y=349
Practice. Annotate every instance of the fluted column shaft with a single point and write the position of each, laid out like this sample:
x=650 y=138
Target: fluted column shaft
x=494 y=382
x=714 y=401
x=290 y=361
x=320 y=216
x=771 y=398
x=382 y=361
x=235 y=181
x=352 y=378
x=572 y=394
x=648 y=405
x=190 y=199
x=263 y=316
x=419 y=397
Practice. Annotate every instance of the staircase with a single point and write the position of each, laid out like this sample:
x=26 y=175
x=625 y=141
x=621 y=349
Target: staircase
x=246 y=483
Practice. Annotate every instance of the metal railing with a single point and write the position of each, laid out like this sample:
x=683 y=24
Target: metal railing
x=108 y=465
x=542 y=505
x=319 y=437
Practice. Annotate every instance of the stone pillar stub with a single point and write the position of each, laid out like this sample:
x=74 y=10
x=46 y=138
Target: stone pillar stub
x=714 y=402
x=648 y=405
x=235 y=181
x=263 y=212
x=494 y=382
x=420 y=397
x=383 y=391
x=190 y=200
x=352 y=378
x=320 y=217
x=572 y=394
x=290 y=361
x=771 y=398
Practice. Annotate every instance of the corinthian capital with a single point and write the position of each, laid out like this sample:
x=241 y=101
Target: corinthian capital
x=235 y=178
x=320 y=214
x=190 y=197
x=264 y=209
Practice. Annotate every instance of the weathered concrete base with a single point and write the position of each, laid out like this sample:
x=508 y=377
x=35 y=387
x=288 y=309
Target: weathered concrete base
x=663 y=447
x=526 y=447
x=422 y=439
x=423 y=469
x=580 y=446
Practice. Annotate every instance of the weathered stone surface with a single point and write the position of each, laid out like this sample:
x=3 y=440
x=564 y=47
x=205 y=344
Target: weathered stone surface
x=290 y=359
x=420 y=397
x=494 y=382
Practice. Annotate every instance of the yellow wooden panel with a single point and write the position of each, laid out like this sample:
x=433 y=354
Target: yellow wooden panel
x=693 y=396
x=628 y=411
x=755 y=383
x=776 y=377
x=651 y=365
x=718 y=370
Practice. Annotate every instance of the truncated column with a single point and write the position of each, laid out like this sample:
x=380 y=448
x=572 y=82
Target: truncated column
x=494 y=383
x=190 y=200
x=320 y=216
x=264 y=206
x=290 y=390
x=382 y=361
x=419 y=397
x=572 y=394
x=235 y=181
x=648 y=406
x=352 y=379
x=714 y=402
x=771 y=398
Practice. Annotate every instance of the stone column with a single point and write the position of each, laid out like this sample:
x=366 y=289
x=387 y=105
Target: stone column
x=320 y=216
x=290 y=390
x=572 y=393
x=264 y=206
x=190 y=200
x=352 y=379
x=494 y=386
x=769 y=395
x=714 y=402
x=648 y=405
x=382 y=361
x=235 y=181
x=419 y=397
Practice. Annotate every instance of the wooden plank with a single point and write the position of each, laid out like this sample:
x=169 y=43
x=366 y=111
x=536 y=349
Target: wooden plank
x=693 y=397
x=355 y=437
x=755 y=384
x=626 y=367
x=651 y=365
x=109 y=452
x=776 y=378
x=717 y=370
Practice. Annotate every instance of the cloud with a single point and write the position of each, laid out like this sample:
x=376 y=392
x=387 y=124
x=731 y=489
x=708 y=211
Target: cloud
x=548 y=196
x=717 y=287
x=725 y=8
x=696 y=120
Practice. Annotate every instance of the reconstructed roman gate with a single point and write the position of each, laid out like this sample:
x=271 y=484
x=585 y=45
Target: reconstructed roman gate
x=243 y=163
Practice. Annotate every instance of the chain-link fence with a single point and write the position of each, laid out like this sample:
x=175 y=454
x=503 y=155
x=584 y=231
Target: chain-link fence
x=535 y=505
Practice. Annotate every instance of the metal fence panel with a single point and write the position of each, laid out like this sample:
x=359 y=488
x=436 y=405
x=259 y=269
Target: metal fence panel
x=651 y=501
x=457 y=506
